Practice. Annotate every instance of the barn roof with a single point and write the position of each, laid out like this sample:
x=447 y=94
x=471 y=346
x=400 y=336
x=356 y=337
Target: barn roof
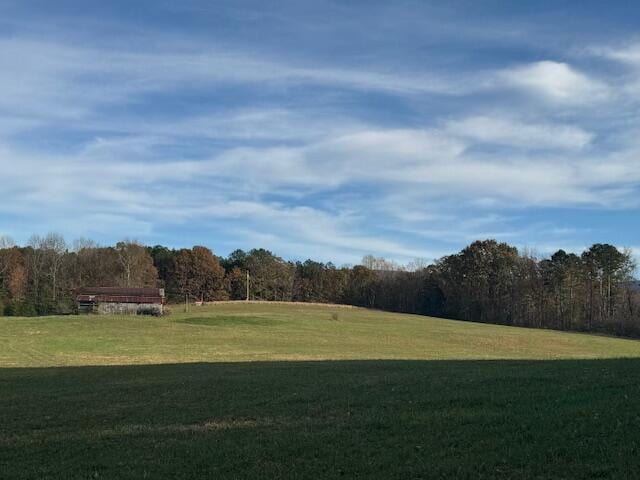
x=120 y=295
x=122 y=291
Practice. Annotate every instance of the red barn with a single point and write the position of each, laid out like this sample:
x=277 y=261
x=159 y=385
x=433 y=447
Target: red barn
x=120 y=300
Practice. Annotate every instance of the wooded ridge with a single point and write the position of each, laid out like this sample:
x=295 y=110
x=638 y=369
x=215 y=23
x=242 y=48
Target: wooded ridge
x=487 y=281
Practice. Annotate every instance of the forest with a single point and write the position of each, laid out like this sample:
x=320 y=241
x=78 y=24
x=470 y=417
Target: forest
x=487 y=281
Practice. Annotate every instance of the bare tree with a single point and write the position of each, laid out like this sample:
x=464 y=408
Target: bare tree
x=83 y=243
x=417 y=264
x=126 y=254
x=380 y=263
x=137 y=264
x=54 y=248
x=6 y=243
x=35 y=262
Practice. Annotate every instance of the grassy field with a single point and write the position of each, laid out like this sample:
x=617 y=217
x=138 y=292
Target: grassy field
x=271 y=391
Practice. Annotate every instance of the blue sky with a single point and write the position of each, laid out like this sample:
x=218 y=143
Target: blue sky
x=322 y=129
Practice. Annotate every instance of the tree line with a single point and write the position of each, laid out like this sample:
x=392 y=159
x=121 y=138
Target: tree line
x=487 y=281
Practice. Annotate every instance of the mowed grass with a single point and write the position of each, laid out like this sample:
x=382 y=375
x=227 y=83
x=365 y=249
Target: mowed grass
x=259 y=332
x=273 y=391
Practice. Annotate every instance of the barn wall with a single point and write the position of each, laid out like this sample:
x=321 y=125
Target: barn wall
x=109 y=308
x=86 y=307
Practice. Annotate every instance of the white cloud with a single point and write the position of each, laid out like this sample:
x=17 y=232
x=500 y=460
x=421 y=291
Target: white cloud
x=411 y=178
x=439 y=165
x=371 y=155
x=629 y=54
x=52 y=80
x=313 y=229
x=511 y=132
x=422 y=181
x=555 y=81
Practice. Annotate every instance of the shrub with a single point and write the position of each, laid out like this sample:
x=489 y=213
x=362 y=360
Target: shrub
x=148 y=310
x=24 y=309
x=65 y=306
x=44 y=308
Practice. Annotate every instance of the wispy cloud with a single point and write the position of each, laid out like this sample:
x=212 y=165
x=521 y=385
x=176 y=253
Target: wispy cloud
x=628 y=54
x=443 y=165
x=515 y=133
x=406 y=149
x=64 y=81
x=556 y=82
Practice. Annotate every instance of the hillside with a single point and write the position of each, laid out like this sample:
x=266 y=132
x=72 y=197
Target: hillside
x=272 y=391
x=257 y=332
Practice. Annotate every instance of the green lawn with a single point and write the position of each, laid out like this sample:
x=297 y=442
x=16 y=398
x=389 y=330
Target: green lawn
x=271 y=391
x=259 y=332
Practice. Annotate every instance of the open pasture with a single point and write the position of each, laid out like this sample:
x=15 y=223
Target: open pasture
x=291 y=391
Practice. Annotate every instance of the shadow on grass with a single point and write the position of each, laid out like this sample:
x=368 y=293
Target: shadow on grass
x=352 y=419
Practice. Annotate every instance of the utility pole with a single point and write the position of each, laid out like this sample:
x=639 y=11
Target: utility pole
x=186 y=302
x=247 y=285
